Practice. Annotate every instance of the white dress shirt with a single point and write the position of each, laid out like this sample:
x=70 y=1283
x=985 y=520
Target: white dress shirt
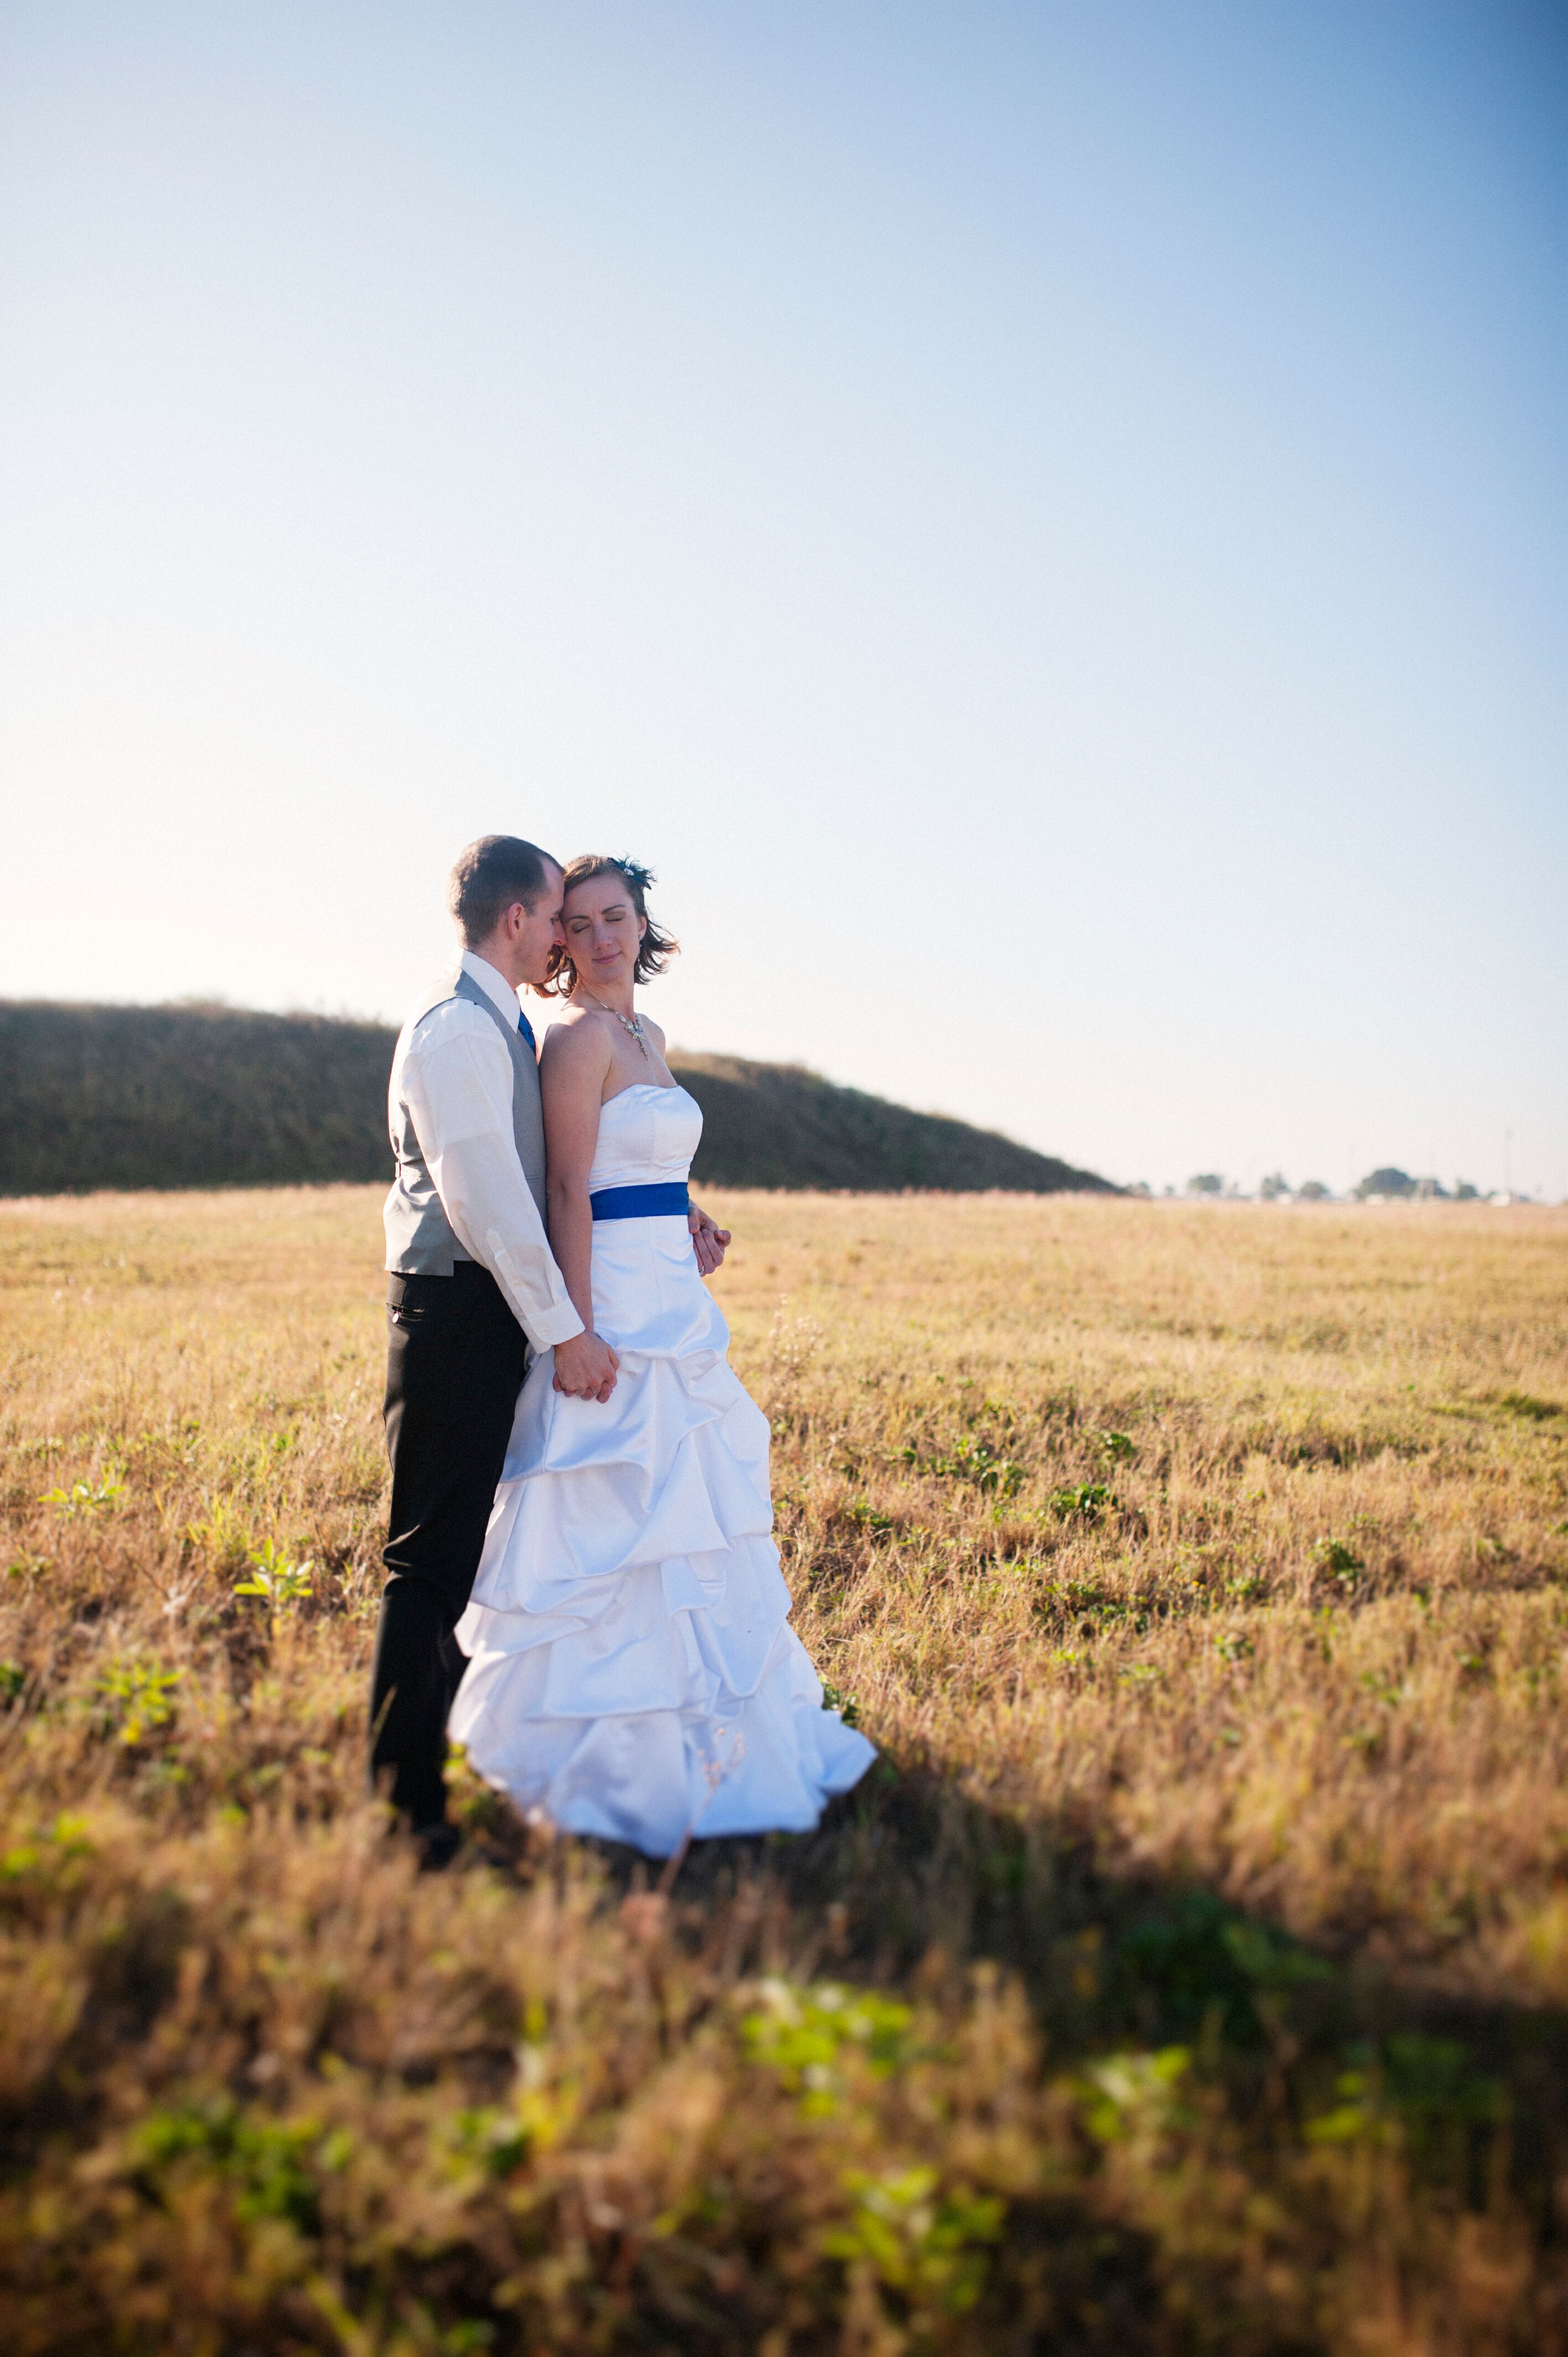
x=456 y=1077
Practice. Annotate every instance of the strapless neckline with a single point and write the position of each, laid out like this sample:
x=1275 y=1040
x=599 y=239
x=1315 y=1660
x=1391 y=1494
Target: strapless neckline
x=631 y=1088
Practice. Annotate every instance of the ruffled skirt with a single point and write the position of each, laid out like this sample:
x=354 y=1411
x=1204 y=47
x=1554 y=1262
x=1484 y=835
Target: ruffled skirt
x=632 y=1670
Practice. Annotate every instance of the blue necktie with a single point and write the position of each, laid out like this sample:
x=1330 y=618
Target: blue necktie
x=526 y=1027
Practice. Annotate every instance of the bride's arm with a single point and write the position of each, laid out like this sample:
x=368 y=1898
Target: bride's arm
x=572 y=1073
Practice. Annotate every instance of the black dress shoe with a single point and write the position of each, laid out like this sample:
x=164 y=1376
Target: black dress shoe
x=437 y=1845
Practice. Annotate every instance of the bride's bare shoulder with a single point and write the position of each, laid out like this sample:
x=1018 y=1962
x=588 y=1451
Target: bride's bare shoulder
x=577 y=1042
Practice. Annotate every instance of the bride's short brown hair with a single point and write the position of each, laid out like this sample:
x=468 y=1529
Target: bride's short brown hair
x=656 y=948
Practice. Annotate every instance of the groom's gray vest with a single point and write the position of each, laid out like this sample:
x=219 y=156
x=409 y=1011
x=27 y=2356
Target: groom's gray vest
x=420 y=1237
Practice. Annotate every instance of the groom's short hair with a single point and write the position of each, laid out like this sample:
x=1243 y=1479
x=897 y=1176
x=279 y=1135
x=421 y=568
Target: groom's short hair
x=490 y=876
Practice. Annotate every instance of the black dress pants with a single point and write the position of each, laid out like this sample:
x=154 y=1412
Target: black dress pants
x=456 y=1360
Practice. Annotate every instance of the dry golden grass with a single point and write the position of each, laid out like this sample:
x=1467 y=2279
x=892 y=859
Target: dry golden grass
x=1193 y=1973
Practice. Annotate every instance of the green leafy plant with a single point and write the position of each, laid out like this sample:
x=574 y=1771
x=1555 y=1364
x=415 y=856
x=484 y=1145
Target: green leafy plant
x=1084 y=1601
x=1135 y=2096
x=141 y=1697
x=86 y=1498
x=975 y=1459
x=1115 y=1448
x=52 y=1859
x=846 y=1705
x=803 y=2034
x=1086 y=1500
x=491 y=2139
x=278 y=1580
x=272 y=2165
x=928 y=2246
x=1420 y=2091
x=1340 y=1562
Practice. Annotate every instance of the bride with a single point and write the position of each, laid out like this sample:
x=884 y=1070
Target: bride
x=632 y=1670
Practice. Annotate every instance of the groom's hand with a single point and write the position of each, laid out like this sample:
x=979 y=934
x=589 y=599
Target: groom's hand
x=586 y=1368
x=708 y=1241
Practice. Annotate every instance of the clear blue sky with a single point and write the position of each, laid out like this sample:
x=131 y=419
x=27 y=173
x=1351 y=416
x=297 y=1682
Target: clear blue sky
x=1045 y=524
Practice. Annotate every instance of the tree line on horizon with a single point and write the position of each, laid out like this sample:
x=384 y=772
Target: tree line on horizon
x=1386 y=1184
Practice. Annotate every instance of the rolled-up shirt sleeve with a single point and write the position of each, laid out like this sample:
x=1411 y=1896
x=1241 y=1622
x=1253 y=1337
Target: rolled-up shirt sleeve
x=458 y=1087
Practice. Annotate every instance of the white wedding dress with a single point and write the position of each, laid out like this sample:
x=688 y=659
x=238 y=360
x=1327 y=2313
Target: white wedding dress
x=632 y=1670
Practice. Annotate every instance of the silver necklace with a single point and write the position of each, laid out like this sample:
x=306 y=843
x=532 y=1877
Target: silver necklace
x=632 y=1023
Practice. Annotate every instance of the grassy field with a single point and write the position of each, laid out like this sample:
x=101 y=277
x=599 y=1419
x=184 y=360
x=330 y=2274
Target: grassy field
x=1191 y=1974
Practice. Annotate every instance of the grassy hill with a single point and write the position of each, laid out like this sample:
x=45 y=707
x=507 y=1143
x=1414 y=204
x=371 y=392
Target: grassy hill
x=778 y=1125
x=187 y=1096
x=215 y=1096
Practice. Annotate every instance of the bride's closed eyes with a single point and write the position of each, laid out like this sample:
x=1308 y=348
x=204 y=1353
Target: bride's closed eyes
x=616 y=914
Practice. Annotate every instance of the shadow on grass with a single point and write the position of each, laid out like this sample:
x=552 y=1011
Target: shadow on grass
x=905 y=1877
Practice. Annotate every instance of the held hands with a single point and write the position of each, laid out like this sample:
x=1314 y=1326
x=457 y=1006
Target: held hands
x=586 y=1368
x=708 y=1242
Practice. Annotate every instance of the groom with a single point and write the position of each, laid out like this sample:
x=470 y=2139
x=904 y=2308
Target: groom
x=473 y=1292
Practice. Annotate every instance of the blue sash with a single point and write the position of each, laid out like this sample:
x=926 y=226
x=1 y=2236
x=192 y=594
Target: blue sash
x=658 y=1202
